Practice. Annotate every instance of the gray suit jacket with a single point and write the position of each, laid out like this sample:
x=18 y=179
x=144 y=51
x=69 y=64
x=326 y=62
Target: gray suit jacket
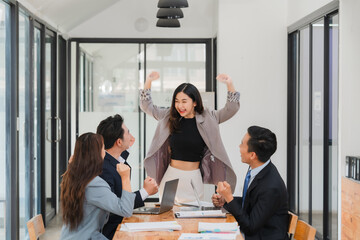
x=215 y=165
x=99 y=201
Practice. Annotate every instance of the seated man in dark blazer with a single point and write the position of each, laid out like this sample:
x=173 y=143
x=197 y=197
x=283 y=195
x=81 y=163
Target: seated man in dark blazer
x=117 y=139
x=262 y=212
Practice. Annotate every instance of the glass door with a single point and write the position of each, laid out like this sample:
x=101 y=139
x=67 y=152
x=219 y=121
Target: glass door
x=25 y=131
x=313 y=124
x=4 y=23
x=317 y=125
x=177 y=63
x=50 y=122
x=108 y=85
x=36 y=124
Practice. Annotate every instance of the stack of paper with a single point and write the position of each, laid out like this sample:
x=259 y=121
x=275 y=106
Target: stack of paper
x=150 y=226
x=200 y=214
x=217 y=236
x=205 y=227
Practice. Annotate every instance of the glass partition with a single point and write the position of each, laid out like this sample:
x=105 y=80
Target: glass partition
x=36 y=123
x=50 y=145
x=24 y=127
x=317 y=125
x=313 y=159
x=333 y=123
x=176 y=63
x=4 y=9
x=112 y=74
x=304 y=125
x=109 y=83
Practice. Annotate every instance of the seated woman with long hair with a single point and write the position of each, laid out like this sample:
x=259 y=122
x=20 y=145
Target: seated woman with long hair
x=86 y=199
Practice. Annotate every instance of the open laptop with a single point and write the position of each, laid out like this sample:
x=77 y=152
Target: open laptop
x=167 y=201
x=200 y=206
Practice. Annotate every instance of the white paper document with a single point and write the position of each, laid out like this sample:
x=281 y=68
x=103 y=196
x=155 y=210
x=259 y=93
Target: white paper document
x=150 y=226
x=218 y=227
x=200 y=214
x=215 y=236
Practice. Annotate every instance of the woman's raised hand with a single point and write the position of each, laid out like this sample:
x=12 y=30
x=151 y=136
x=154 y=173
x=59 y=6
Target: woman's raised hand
x=151 y=77
x=224 y=78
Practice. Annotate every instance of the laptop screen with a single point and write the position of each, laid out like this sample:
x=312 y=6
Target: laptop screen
x=196 y=194
x=168 y=198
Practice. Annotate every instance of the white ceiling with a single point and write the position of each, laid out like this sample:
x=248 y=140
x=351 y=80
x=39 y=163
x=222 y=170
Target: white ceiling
x=116 y=18
x=66 y=14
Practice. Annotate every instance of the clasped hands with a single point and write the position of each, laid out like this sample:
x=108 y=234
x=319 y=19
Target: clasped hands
x=224 y=194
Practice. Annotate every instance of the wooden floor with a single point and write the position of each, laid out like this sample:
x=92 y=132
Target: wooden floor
x=53 y=230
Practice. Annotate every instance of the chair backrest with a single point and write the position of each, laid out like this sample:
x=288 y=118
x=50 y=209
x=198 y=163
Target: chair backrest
x=304 y=231
x=292 y=223
x=35 y=227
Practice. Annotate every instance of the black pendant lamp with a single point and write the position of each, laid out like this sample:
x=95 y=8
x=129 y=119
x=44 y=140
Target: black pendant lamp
x=173 y=4
x=170 y=13
x=169 y=23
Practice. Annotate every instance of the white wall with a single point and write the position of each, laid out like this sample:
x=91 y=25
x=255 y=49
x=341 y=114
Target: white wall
x=349 y=75
x=252 y=49
x=299 y=9
x=120 y=19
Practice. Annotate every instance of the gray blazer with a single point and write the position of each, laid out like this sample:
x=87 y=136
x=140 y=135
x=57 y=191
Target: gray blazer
x=99 y=201
x=215 y=165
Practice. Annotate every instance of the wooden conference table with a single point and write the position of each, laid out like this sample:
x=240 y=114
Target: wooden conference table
x=189 y=225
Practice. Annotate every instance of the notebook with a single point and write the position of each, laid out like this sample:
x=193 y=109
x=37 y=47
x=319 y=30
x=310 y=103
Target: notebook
x=167 y=201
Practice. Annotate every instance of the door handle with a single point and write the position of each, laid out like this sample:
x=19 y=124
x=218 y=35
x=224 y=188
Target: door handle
x=58 y=135
x=58 y=120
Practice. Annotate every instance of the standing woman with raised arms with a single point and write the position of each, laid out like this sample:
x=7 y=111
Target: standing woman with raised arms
x=187 y=143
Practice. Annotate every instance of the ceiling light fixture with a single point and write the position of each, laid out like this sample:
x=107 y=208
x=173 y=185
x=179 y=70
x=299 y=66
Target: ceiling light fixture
x=170 y=13
x=170 y=23
x=173 y=4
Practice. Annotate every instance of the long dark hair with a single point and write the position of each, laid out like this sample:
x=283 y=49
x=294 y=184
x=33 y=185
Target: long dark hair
x=194 y=94
x=86 y=164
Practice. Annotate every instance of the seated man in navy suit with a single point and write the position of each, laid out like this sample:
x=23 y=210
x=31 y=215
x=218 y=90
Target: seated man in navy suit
x=117 y=139
x=262 y=212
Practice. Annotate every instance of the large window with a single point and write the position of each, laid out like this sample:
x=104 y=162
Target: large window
x=36 y=119
x=24 y=127
x=50 y=120
x=313 y=125
x=4 y=10
x=110 y=75
x=27 y=97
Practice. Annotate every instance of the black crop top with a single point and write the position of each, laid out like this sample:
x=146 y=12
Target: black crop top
x=187 y=144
